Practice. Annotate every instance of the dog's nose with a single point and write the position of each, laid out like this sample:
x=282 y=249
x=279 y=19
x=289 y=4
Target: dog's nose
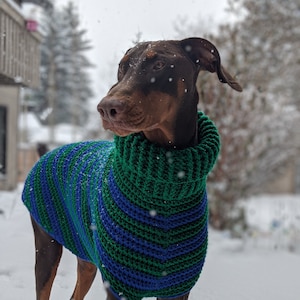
x=110 y=109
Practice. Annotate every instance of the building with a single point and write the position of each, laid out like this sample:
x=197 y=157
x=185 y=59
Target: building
x=19 y=66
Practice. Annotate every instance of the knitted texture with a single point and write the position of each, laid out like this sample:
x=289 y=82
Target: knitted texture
x=136 y=210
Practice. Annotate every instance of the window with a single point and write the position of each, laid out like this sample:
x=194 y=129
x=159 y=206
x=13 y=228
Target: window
x=3 y=116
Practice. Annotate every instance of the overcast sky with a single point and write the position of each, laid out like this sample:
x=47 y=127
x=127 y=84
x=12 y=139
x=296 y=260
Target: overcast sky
x=112 y=25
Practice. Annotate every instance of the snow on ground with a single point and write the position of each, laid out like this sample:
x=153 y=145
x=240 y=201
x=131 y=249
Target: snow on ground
x=33 y=131
x=235 y=269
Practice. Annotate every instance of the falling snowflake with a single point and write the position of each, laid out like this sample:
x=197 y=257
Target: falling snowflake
x=181 y=174
x=153 y=213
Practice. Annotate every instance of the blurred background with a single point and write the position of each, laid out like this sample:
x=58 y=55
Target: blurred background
x=59 y=58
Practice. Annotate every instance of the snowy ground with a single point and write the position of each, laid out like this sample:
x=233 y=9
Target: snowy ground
x=260 y=268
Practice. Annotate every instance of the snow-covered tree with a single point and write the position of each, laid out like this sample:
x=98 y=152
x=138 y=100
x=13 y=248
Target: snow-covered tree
x=270 y=37
x=257 y=127
x=65 y=84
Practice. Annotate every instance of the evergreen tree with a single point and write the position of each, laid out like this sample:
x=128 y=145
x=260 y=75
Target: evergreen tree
x=65 y=84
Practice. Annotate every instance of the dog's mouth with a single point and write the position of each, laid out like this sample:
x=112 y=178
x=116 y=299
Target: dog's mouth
x=117 y=128
x=124 y=128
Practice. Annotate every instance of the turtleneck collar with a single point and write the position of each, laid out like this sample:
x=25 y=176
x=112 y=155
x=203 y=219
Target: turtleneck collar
x=168 y=174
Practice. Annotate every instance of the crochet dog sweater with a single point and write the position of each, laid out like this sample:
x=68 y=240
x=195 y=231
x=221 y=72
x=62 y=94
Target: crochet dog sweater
x=136 y=210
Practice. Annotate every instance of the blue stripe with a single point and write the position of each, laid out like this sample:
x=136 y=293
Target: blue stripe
x=142 y=281
x=143 y=216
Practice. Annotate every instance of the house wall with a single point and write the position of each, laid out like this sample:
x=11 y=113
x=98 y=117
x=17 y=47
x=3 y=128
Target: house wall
x=27 y=157
x=9 y=98
x=19 y=49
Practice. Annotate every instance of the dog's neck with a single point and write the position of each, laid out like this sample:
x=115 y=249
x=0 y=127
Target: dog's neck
x=177 y=140
x=180 y=133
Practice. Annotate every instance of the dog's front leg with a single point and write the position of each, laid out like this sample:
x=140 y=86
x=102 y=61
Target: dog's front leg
x=47 y=257
x=86 y=273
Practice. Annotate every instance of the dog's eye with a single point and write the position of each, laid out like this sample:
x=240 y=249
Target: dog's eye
x=158 y=65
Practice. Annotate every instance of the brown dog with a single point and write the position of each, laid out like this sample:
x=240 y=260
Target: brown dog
x=155 y=96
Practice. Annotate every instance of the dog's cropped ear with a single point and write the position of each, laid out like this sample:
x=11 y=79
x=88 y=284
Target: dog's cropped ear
x=205 y=55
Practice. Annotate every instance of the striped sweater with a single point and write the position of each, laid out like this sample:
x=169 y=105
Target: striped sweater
x=136 y=210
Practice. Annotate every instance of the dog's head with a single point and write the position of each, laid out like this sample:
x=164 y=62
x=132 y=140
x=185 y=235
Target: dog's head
x=156 y=80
